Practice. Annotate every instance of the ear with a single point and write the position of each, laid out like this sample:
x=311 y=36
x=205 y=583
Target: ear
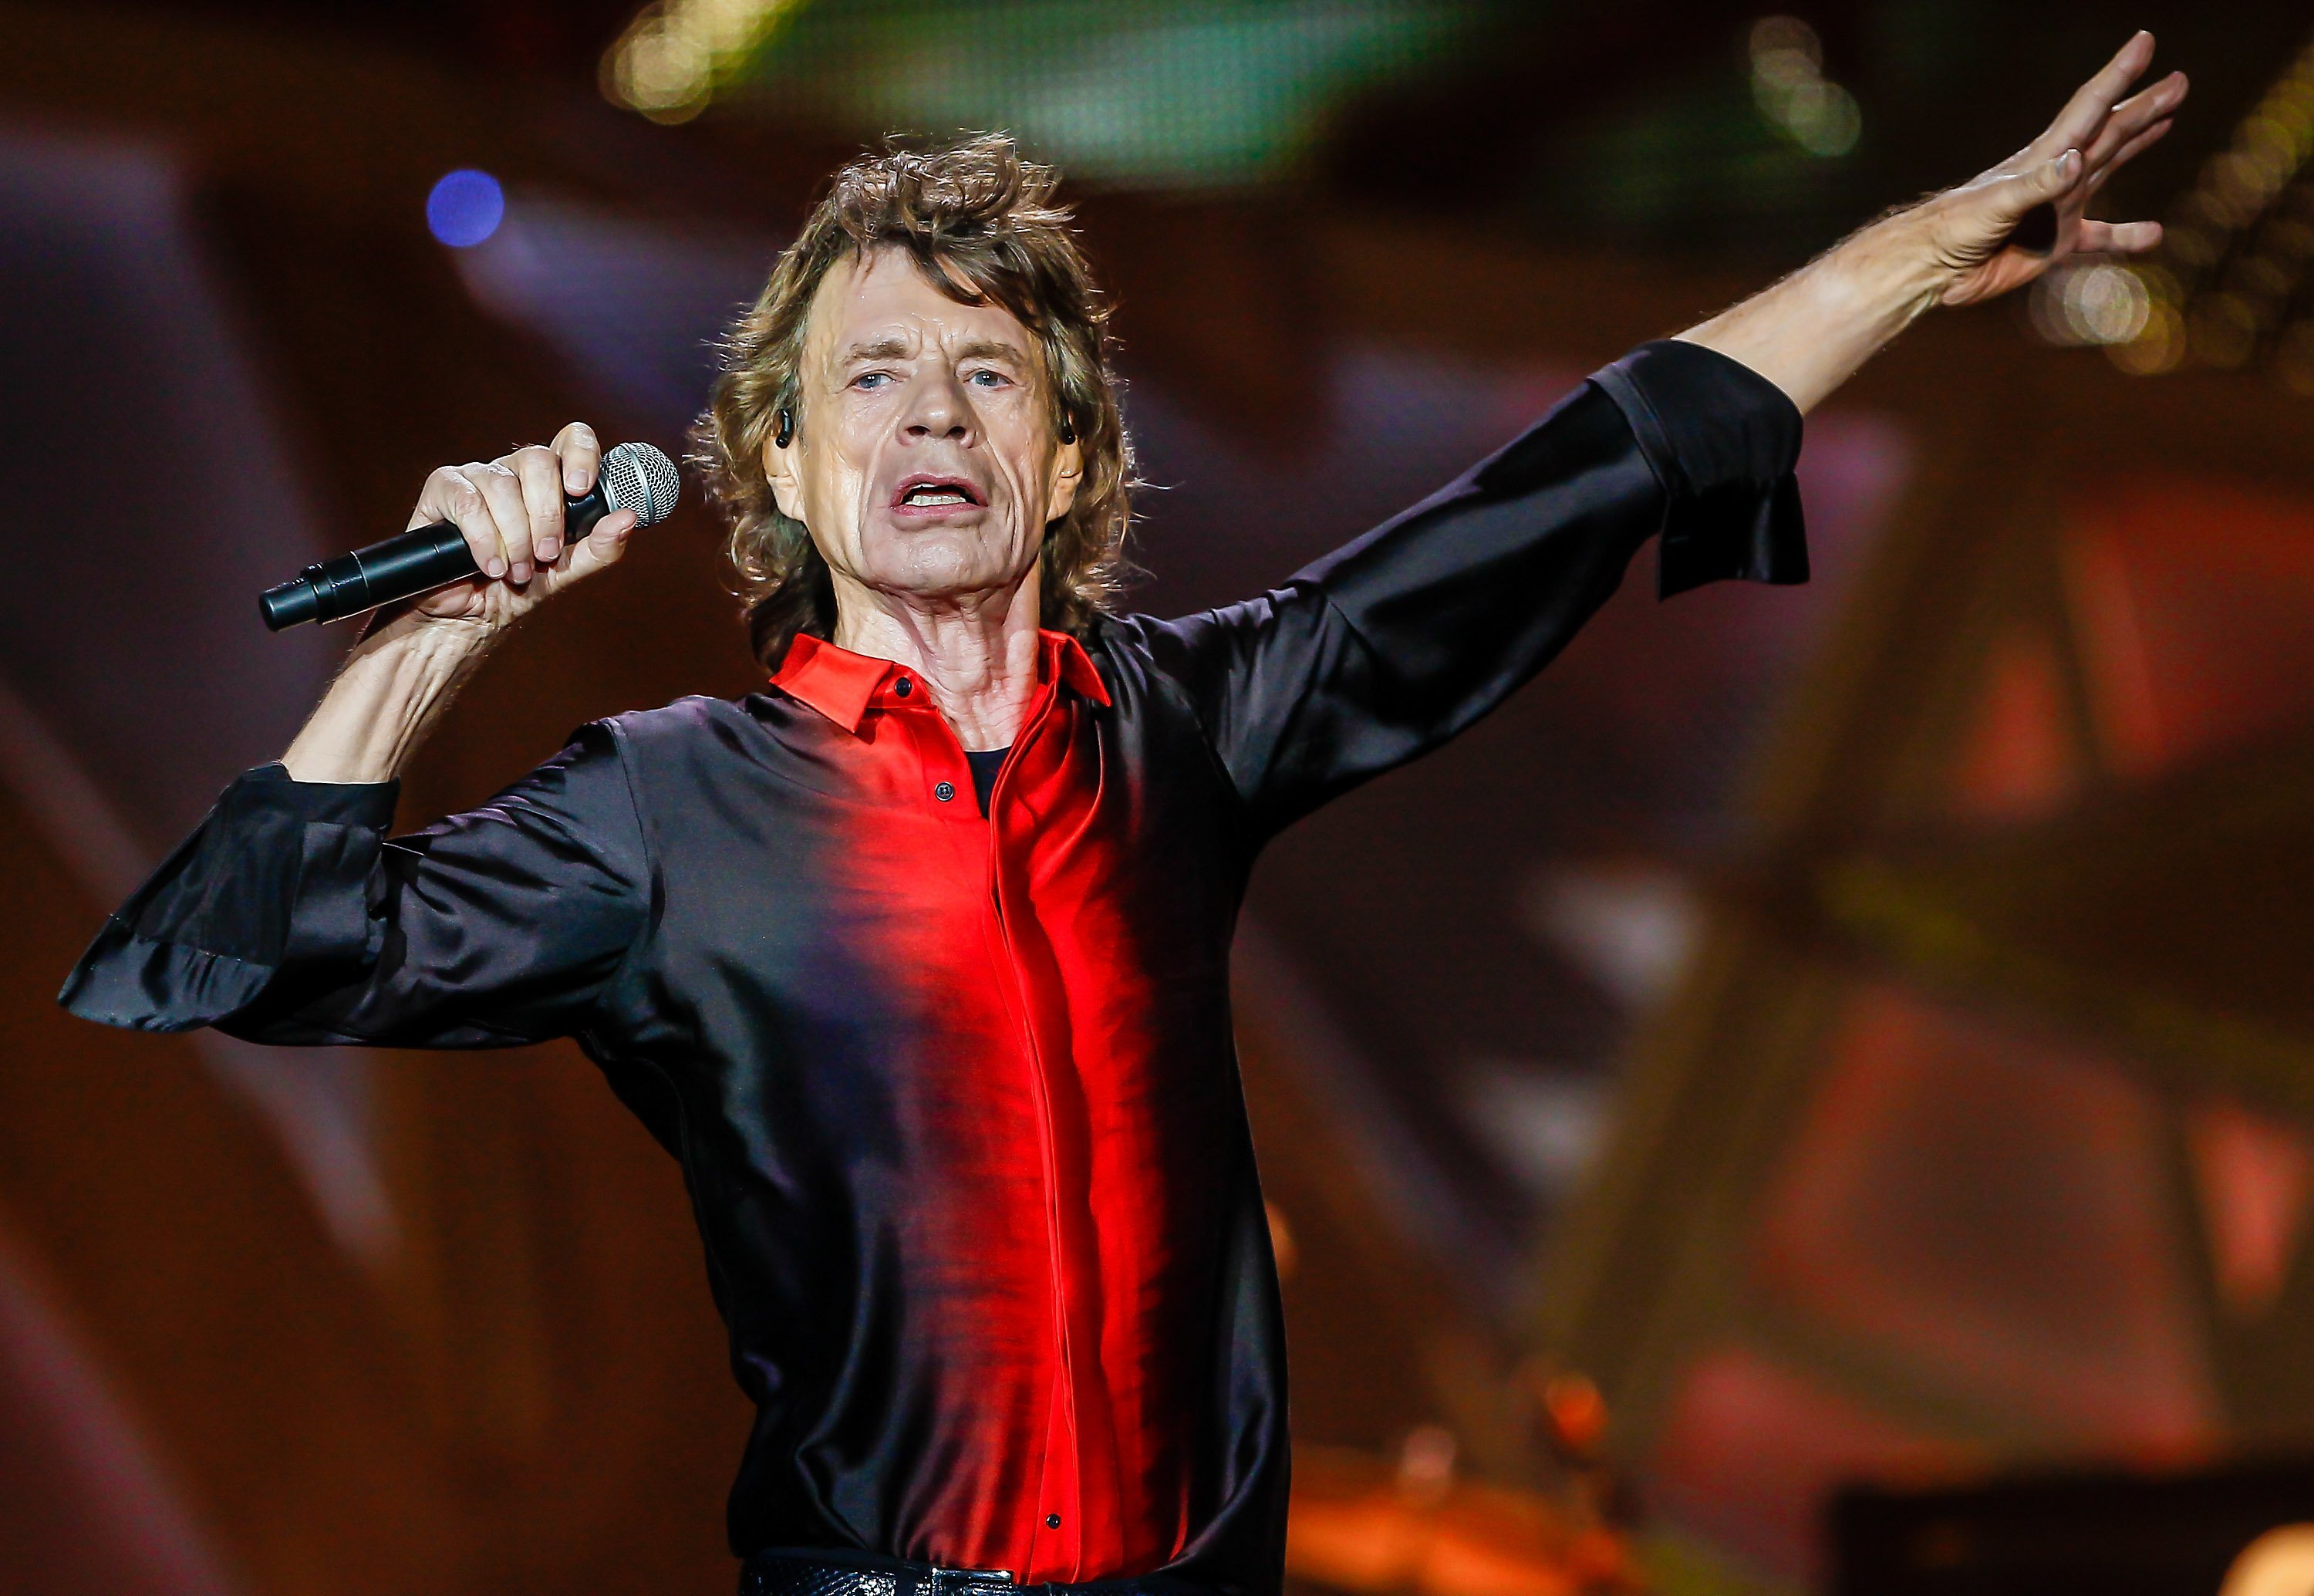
x=780 y=470
x=1068 y=476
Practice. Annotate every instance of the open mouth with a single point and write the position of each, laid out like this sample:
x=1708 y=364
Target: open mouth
x=937 y=493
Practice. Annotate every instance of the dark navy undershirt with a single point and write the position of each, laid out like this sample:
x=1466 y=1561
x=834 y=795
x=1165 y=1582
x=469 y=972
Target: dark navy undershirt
x=985 y=762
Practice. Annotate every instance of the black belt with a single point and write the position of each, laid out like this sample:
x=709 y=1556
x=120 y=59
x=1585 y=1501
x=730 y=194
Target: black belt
x=814 y=1572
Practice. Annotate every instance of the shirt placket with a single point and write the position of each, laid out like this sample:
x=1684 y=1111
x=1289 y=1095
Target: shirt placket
x=1053 y=1542
x=944 y=775
x=1054 y=1537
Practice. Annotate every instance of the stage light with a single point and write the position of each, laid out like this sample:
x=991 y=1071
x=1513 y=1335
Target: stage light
x=2161 y=347
x=2106 y=304
x=1789 y=85
x=1213 y=94
x=465 y=208
x=2098 y=304
x=674 y=56
x=1785 y=51
x=1825 y=119
x=2233 y=256
x=2239 y=185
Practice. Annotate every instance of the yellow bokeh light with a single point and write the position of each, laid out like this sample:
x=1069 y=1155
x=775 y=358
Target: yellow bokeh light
x=2106 y=304
x=673 y=56
x=1789 y=84
x=2160 y=346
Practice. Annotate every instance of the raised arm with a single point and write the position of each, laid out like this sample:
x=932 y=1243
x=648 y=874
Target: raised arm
x=288 y=917
x=1394 y=644
x=1812 y=332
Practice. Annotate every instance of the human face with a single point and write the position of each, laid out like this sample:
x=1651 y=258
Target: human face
x=924 y=462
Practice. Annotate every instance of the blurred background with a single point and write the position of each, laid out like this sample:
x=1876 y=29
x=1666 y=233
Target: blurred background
x=1817 y=1094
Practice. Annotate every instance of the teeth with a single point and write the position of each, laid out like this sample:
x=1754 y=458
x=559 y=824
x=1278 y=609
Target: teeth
x=929 y=496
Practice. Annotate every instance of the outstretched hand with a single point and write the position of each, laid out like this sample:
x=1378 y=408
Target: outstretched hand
x=1809 y=333
x=2009 y=226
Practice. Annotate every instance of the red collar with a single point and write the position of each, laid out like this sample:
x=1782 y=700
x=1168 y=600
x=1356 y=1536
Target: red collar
x=842 y=685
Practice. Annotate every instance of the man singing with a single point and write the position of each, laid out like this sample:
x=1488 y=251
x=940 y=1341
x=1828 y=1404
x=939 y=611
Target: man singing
x=918 y=960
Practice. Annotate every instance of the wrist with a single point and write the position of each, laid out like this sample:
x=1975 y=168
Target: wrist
x=420 y=659
x=403 y=625
x=1893 y=270
x=395 y=685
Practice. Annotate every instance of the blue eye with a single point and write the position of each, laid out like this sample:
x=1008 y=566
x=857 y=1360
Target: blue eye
x=987 y=379
x=872 y=379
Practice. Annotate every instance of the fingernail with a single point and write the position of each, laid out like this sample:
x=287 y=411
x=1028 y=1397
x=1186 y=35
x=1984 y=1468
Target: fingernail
x=548 y=550
x=571 y=484
x=497 y=568
x=521 y=572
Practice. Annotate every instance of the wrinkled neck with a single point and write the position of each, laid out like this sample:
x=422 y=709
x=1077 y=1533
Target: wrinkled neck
x=976 y=651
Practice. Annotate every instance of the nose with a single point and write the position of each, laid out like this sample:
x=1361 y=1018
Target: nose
x=938 y=410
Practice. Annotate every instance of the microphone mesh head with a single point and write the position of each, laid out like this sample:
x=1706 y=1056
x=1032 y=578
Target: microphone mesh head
x=640 y=478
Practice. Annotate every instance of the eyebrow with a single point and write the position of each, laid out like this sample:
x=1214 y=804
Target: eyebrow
x=988 y=348
x=895 y=348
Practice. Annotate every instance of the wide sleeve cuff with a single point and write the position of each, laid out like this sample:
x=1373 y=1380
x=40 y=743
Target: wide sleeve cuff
x=1723 y=441
x=277 y=874
x=368 y=804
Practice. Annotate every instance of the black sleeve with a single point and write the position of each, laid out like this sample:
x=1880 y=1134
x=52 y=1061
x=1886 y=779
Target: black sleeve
x=1392 y=645
x=288 y=917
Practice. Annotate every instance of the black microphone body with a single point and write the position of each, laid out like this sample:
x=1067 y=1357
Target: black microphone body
x=398 y=567
x=634 y=477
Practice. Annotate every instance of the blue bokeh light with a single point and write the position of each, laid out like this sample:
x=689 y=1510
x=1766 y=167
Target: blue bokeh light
x=465 y=208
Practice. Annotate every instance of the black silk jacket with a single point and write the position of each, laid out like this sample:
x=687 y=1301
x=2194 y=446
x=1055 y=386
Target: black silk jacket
x=956 y=1098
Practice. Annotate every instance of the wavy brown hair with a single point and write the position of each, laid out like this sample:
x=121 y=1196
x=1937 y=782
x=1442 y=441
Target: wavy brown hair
x=980 y=223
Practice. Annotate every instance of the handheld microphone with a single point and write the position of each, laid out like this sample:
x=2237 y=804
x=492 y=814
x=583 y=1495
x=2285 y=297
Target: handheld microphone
x=632 y=477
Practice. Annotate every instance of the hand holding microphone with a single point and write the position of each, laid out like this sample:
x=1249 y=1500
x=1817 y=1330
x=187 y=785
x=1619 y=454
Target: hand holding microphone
x=489 y=543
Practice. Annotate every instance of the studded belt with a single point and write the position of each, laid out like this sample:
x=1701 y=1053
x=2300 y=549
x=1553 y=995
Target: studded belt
x=781 y=1572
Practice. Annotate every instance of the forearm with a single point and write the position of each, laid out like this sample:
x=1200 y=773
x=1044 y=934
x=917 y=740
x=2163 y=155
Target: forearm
x=393 y=690
x=1812 y=332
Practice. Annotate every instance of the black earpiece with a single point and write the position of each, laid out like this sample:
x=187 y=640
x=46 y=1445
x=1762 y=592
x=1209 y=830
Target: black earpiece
x=1068 y=432
x=786 y=434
